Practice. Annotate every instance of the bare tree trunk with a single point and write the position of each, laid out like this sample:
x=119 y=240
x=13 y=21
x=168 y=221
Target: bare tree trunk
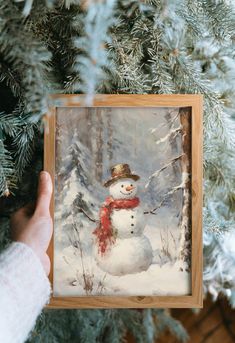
x=173 y=146
x=90 y=137
x=110 y=136
x=185 y=234
x=99 y=146
x=88 y=118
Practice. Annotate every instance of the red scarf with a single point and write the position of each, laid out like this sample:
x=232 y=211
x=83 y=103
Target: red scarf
x=104 y=232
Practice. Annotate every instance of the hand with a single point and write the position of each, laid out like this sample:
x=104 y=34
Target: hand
x=33 y=225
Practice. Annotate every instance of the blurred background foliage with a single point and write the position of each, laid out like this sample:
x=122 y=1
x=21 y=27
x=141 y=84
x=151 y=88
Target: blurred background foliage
x=120 y=46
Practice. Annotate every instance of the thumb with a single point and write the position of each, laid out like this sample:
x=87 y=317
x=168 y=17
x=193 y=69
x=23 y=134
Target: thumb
x=44 y=194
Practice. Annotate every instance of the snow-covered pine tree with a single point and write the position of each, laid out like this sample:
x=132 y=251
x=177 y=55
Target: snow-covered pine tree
x=75 y=194
x=127 y=46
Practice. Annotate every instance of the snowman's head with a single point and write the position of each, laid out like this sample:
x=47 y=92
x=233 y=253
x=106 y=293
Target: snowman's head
x=123 y=189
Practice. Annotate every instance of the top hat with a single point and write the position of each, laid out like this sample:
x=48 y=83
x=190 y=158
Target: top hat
x=120 y=171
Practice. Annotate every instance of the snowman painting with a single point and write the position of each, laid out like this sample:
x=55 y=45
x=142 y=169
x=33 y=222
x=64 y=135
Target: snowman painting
x=121 y=247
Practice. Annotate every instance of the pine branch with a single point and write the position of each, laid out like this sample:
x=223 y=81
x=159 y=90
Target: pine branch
x=165 y=321
x=219 y=18
x=10 y=76
x=97 y=22
x=9 y=124
x=7 y=171
x=23 y=144
x=27 y=55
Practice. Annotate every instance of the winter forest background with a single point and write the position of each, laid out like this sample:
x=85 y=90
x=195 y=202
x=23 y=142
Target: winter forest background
x=88 y=142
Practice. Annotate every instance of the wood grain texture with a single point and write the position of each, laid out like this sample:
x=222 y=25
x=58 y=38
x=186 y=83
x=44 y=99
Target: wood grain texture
x=214 y=324
x=126 y=100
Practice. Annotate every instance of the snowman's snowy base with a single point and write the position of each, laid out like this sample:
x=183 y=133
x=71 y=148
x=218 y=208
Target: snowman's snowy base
x=126 y=256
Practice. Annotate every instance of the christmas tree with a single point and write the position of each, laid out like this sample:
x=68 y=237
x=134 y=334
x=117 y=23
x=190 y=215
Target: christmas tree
x=126 y=46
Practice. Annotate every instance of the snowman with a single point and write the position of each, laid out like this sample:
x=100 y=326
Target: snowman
x=121 y=247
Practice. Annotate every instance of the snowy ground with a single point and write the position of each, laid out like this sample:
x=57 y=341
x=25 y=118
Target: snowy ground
x=72 y=278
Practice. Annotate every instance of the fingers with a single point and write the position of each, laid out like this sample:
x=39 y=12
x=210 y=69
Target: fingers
x=44 y=195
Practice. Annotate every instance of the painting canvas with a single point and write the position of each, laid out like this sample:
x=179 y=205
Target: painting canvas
x=122 y=201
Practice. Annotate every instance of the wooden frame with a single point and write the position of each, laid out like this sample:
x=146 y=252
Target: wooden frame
x=196 y=104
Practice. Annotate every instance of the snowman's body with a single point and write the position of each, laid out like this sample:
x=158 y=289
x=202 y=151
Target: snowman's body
x=131 y=251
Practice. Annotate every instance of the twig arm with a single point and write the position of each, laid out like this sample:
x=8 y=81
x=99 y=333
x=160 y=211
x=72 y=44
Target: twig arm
x=87 y=215
x=153 y=211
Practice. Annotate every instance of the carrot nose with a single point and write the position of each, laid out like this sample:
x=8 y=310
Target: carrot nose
x=129 y=188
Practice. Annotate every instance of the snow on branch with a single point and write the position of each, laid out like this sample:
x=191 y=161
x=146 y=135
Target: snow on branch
x=157 y=173
x=171 y=135
x=185 y=179
x=171 y=121
x=90 y=64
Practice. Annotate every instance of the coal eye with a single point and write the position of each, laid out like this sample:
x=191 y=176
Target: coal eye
x=122 y=186
x=131 y=185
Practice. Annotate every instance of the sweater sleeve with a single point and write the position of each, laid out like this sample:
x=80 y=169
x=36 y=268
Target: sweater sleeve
x=24 y=290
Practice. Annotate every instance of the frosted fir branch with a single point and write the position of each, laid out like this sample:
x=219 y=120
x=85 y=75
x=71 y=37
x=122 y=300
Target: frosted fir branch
x=24 y=144
x=219 y=172
x=127 y=51
x=10 y=77
x=97 y=21
x=216 y=121
x=215 y=118
x=27 y=57
x=131 y=80
x=219 y=12
x=7 y=171
x=162 y=80
x=28 y=4
x=213 y=224
x=133 y=325
x=128 y=75
x=9 y=123
x=157 y=173
x=187 y=75
x=219 y=271
x=148 y=323
x=57 y=28
x=164 y=321
x=219 y=252
x=191 y=14
x=22 y=135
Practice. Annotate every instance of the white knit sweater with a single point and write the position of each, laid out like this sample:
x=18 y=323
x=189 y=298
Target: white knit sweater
x=24 y=290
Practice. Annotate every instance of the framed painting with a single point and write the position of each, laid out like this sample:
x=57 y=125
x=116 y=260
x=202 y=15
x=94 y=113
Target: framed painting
x=127 y=203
